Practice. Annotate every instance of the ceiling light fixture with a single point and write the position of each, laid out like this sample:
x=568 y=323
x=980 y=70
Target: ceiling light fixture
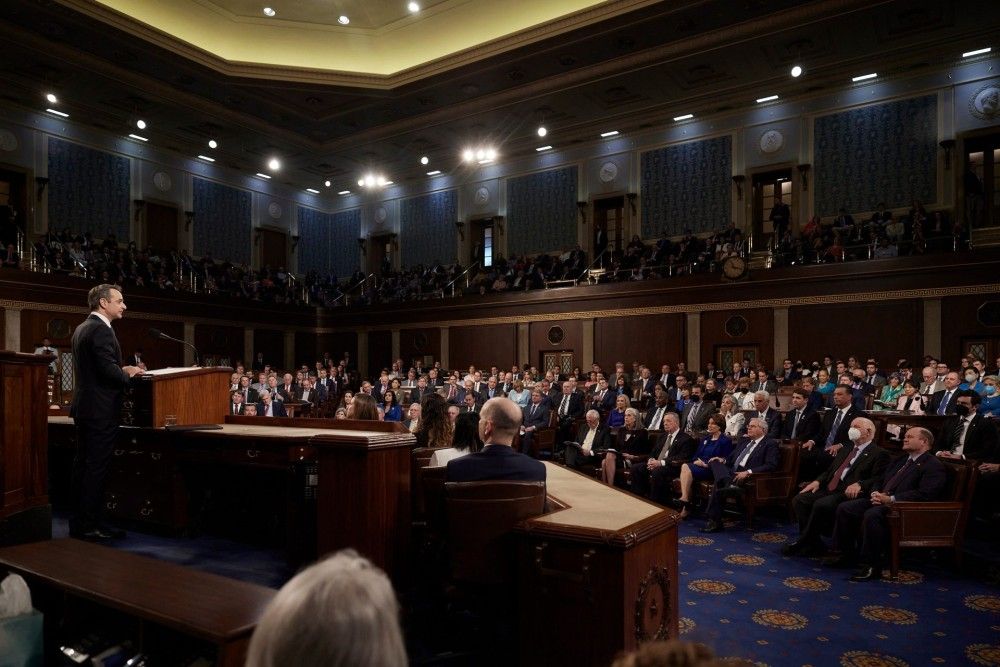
x=327 y=183
x=387 y=183
x=206 y=158
x=343 y=20
x=864 y=77
x=977 y=52
x=434 y=173
x=51 y=97
x=344 y=192
x=684 y=117
x=137 y=137
x=796 y=71
x=312 y=190
x=264 y=176
x=413 y=7
x=612 y=133
x=425 y=160
x=543 y=148
x=268 y=11
x=212 y=143
x=542 y=131
x=491 y=154
x=468 y=155
x=274 y=164
x=58 y=113
x=769 y=98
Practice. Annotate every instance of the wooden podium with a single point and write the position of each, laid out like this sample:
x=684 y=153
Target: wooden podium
x=192 y=395
x=25 y=514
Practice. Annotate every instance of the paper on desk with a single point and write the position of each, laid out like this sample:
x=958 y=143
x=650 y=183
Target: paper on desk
x=171 y=371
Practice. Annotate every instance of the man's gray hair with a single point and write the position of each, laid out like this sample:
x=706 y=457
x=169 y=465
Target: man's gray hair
x=98 y=292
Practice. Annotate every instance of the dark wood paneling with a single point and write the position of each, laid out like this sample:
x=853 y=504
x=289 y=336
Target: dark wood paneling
x=482 y=346
x=414 y=343
x=652 y=339
x=307 y=349
x=538 y=340
x=271 y=344
x=959 y=322
x=379 y=352
x=219 y=342
x=759 y=332
x=3 y=327
x=887 y=331
x=337 y=343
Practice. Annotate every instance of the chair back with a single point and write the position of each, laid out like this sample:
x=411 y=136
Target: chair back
x=432 y=497
x=480 y=518
x=419 y=460
x=959 y=479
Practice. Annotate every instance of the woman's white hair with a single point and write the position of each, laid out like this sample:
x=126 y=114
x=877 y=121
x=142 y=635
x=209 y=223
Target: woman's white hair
x=340 y=611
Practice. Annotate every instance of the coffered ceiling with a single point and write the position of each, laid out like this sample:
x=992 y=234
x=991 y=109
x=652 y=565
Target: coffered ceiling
x=637 y=67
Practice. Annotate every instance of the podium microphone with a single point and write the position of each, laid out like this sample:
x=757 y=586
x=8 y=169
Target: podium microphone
x=159 y=335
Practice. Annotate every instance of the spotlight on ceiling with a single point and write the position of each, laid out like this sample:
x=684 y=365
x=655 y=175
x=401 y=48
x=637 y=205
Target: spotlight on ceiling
x=343 y=20
x=264 y=176
x=967 y=54
x=611 y=133
x=212 y=143
x=425 y=160
x=274 y=164
x=268 y=11
x=864 y=77
x=542 y=131
x=434 y=173
x=312 y=190
x=769 y=98
x=481 y=154
x=686 y=116
x=797 y=71
x=468 y=155
x=141 y=124
x=361 y=182
x=413 y=7
x=543 y=148
x=327 y=183
x=138 y=138
x=51 y=97
x=491 y=154
x=57 y=113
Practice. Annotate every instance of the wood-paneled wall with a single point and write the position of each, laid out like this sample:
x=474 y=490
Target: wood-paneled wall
x=483 y=346
x=960 y=323
x=270 y=343
x=219 y=342
x=652 y=339
x=759 y=332
x=538 y=340
x=379 y=351
x=887 y=331
x=418 y=343
x=337 y=343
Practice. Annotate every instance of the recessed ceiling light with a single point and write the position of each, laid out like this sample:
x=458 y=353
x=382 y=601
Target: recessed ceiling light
x=327 y=183
x=684 y=117
x=51 y=97
x=380 y=180
x=58 y=113
x=468 y=155
x=425 y=160
x=343 y=20
x=967 y=54
x=264 y=176
x=212 y=143
x=137 y=137
x=543 y=148
x=312 y=190
x=361 y=182
x=864 y=77
x=542 y=131
x=413 y=7
x=344 y=192
x=274 y=164
x=491 y=154
x=141 y=124
x=387 y=183
x=434 y=173
x=268 y=11
x=480 y=154
x=206 y=158
x=769 y=98
x=612 y=133
x=370 y=180
x=797 y=71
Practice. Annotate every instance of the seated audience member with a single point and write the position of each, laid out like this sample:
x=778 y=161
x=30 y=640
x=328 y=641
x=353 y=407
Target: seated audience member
x=990 y=407
x=652 y=477
x=412 y=421
x=943 y=401
x=250 y=410
x=823 y=384
x=657 y=411
x=519 y=394
x=498 y=425
x=735 y=420
x=470 y=402
x=716 y=445
x=616 y=418
x=269 y=407
x=972 y=381
x=757 y=453
x=436 y=423
x=916 y=476
x=621 y=386
x=851 y=471
x=762 y=404
x=712 y=393
x=696 y=413
x=888 y=398
x=910 y=401
x=801 y=423
x=236 y=403
x=465 y=441
x=364 y=408
x=631 y=443
x=592 y=438
x=453 y=412
x=535 y=416
x=816 y=455
x=968 y=434
x=603 y=399
x=341 y=413
x=340 y=611
x=391 y=410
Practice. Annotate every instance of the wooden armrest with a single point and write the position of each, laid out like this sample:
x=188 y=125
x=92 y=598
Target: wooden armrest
x=906 y=507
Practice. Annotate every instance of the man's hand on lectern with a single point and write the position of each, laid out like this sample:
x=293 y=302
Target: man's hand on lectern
x=132 y=370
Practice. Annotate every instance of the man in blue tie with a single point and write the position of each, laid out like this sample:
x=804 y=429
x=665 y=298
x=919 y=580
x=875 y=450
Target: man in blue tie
x=756 y=454
x=943 y=402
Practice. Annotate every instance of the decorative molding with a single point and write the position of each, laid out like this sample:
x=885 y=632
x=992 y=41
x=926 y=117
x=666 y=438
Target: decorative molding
x=647 y=612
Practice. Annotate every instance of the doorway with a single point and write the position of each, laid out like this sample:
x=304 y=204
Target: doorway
x=766 y=187
x=726 y=356
x=380 y=254
x=981 y=181
x=13 y=205
x=986 y=349
x=558 y=362
x=160 y=229
x=273 y=250
x=609 y=217
x=481 y=241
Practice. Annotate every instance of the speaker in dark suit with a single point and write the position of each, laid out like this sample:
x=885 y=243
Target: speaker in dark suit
x=100 y=383
x=495 y=461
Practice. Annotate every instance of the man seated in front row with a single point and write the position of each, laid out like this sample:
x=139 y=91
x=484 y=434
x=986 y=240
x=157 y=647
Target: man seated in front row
x=756 y=454
x=653 y=476
x=592 y=437
x=499 y=422
x=268 y=407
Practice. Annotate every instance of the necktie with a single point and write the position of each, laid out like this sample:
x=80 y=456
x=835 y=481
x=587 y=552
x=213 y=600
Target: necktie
x=833 y=429
x=666 y=447
x=693 y=414
x=842 y=470
x=944 y=403
x=533 y=406
x=890 y=486
x=795 y=424
x=961 y=438
x=451 y=392
x=742 y=463
x=657 y=419
x=564 y=406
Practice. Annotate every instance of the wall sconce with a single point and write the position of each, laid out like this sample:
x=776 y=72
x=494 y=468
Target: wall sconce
x=804 y=174
x=631 y=200
x=498 y=223
x=295 y=242
x=363 y=245
x=948 y=145
x=460 y=226
x=188 y=219
x=139 y=206
x=738 y=181
x=41 y=182
x=582 y=205
x=256 y=237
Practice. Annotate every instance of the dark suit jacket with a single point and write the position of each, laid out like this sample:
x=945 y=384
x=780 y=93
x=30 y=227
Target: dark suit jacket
x=575 y=407
x=809 y=425
x=773 y=419
x=706 y=410
x=235 y=409
x=416 y=395
x=485 y=393
x=602 y=439
x=845 y=426
x=680 y=452
x=100 y=379
x=498 y=462
x=925 y=480
x=980 y=440
x=608 y=404
x=460 y=396
x=540 y=417
x=867 y=470
x=652 y=413
x=277 y=409
x=763 y=459
x=632 y=442
x=289 y=394
x=936 y=399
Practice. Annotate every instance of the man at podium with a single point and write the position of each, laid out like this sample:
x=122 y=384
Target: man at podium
x=100 y=381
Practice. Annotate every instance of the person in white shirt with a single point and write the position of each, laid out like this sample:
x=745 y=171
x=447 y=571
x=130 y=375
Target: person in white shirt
x=465 y=441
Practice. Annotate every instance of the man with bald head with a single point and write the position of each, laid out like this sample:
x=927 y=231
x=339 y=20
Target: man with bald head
x=499 y=421
x=851 y=470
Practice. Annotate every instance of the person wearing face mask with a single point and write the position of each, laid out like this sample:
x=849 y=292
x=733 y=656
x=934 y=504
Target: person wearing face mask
x=972 y=382
x=968 y=435
x=990 y=407
x=851 y=470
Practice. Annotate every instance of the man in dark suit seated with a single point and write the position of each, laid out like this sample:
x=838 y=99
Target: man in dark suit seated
x=771 y=417
x=569 y=407
x=423 y=389
x=592 y=437
x=269 y=407
x=236 y=403
x=756 y=454
x=817 y=455
x=943 y=402
x=536 y=416
x=917 y=476
x=696 y=413
x=657 y=411
x=852 y=469
x=968 y=435
x=498 y=424
x=802 y=423
x=652 y=477
x=603 y=399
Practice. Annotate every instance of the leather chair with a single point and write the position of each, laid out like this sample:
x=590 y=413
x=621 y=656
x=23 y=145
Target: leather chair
x=420 y=458
x=543 y=440
x=480 y=518
x=935 y=523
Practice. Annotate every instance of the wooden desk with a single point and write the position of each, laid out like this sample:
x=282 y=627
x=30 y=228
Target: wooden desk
x=883 y=418
x=217 y=610
x=597 y=576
